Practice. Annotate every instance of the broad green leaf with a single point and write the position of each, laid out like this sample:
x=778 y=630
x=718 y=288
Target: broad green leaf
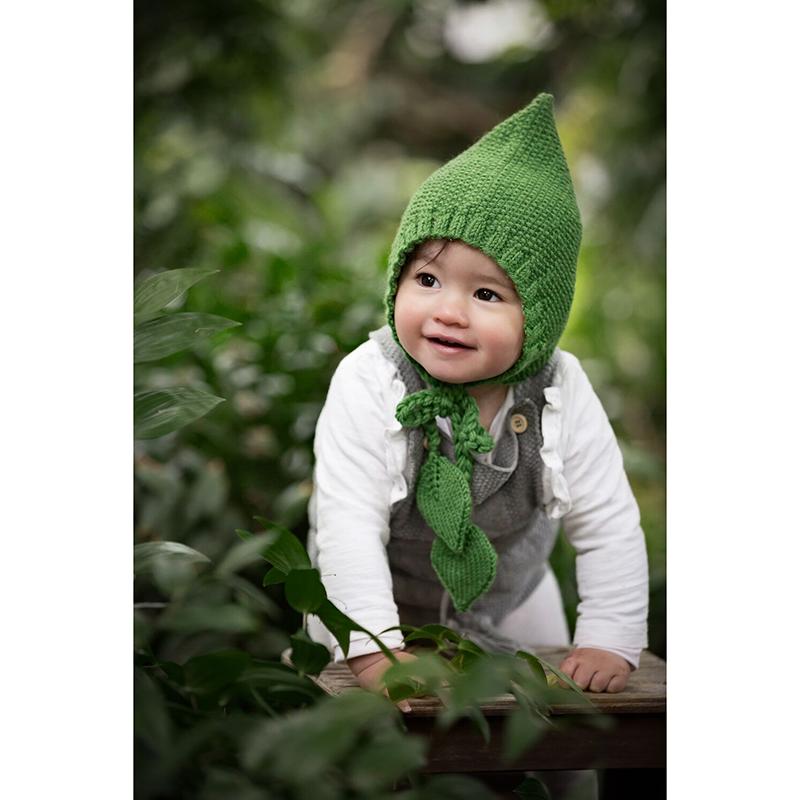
x=253 y=597
x=268 y=674
x=569 y=682
x=520 y=731
x=151 y=722
x=437 y=633
x=224 y=783
x=287 y=553
x=145 y=555
x=481 y=723
x=304 y=590
x=427 y=672
x=195 y=618
x=340 y=625
x=532 y=789
x=535 y=665
x=468 y=652
x=381 y=760
x=164 y=336
x=162 y=289
x=244 y=553
x=321 y=737
x=308 y=656
x=161 y=411
x=274 y=576
x=174 y=578
x=211 y=673
x=482 y=680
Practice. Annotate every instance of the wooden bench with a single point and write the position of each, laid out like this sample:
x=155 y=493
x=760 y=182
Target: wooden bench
x=631 y=752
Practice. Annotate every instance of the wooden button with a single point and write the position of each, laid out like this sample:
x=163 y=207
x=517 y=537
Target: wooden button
x=519 y=423
x=425 y=442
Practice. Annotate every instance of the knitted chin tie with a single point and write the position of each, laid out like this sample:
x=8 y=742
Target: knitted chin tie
x=462 y=556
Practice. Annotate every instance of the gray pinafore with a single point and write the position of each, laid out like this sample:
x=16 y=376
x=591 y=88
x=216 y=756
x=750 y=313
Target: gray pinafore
x=507 y=506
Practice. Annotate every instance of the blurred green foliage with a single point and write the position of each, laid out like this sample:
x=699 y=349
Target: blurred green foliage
x=279 y=142
x=223 y=722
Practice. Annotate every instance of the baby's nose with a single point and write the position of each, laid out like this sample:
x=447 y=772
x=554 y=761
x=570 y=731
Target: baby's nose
x=451 y=312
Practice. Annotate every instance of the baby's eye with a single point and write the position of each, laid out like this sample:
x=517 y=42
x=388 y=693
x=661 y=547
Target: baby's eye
x=423 y=282
x=482 y=295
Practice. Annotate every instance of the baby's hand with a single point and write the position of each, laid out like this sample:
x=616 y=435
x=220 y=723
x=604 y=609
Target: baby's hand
x=369 y=669
x=597 y=670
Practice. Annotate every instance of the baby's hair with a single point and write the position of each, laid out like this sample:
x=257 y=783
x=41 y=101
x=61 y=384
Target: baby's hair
x=415 y=252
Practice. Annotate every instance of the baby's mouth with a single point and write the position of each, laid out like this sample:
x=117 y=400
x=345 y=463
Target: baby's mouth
x=448 y=343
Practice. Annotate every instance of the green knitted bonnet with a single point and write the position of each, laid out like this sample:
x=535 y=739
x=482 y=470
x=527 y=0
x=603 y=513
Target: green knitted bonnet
x=509 y=195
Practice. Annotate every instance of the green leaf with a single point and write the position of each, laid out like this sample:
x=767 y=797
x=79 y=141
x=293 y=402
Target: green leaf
x=151 y=722
x=532 y=789
x=377 y=764
x=228 y=617
x=484 y=679
x=535 y=665
x=427 y=672
x=321 y=738
x=253 y=597
x=211 y=673
x=244 y=553
x=164 y=336
x=269 y=674
x=437 y=633
x=162 y=289
x=146 y=555
x=275 y=575
x=304 y=590
x=161 y=411
x=308 y=656
x=569 y=683
x=341 y=626
x=520 y=731
x=338 y=623
x=287 y=553
x=481 y=723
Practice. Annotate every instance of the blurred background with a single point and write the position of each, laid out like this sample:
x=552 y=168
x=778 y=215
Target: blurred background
x=279 y=142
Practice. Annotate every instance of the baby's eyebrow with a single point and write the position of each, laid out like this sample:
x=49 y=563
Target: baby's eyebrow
x=505 y=281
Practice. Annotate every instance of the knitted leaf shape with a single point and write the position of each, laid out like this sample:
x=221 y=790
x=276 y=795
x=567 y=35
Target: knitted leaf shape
x=462 y=556
x=444 y=500
x=466 y=575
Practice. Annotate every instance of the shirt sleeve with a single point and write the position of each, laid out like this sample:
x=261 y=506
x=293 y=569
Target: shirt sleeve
x=603 y=526
x=350 y=512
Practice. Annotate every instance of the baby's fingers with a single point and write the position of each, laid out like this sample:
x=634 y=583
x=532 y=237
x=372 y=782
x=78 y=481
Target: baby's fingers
x=403 y=705
x=568 y=667
x=617 y=683
x=583 y=675
x=600 y=681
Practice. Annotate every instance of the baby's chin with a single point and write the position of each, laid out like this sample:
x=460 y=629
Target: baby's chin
x=453 y=375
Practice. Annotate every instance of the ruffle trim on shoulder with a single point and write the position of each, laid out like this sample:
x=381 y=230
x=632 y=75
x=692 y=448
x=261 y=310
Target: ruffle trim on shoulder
x=555 y=490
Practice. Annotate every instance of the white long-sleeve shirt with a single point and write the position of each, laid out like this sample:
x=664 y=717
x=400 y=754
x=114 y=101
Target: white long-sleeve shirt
x=361 y=471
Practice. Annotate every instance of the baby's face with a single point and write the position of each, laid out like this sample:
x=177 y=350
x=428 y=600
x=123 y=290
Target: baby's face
x=462 y=296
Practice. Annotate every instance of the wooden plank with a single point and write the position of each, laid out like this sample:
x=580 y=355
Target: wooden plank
x=645 y=693
x=636 y=741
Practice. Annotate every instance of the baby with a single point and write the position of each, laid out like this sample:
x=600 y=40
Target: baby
x=459 y=438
